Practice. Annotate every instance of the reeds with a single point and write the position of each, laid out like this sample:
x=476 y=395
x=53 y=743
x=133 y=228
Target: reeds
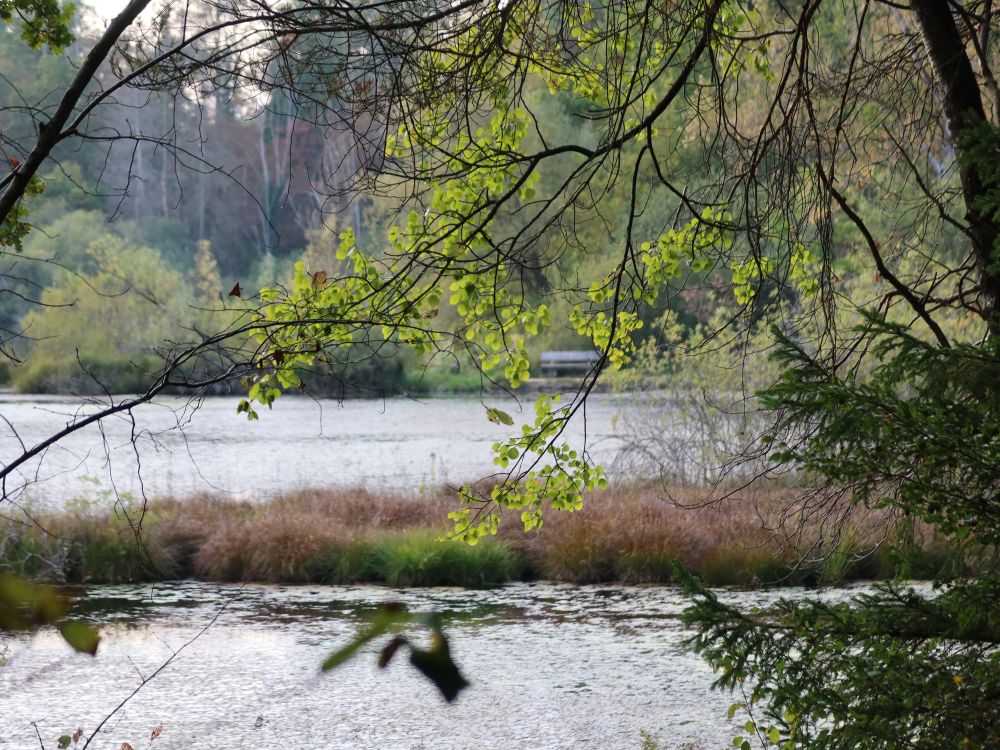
x=630 y=535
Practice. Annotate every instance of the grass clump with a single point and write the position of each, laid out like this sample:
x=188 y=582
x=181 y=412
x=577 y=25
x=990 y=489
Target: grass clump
x=628 y=535
x=420 y=558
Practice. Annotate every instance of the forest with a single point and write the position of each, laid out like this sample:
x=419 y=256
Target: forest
x=776 y=226
x=178 y=196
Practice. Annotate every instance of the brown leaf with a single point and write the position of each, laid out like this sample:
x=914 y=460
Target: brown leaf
x=437 y=666
x=127 y=746
x=319 y=278
x=236 y=291
x=386 y=654
x=156 y=732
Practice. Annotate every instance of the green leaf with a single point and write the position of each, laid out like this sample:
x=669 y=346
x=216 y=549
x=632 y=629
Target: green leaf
x=496 y=416
x=63 y=741
x=25 y=605
x=388 y=617
x=80 y=636
x=347 y=652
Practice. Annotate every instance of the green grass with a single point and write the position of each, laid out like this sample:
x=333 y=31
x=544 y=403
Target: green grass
x=445 y=380
x=419 y=558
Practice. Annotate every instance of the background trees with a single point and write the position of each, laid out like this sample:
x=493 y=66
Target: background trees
x=750 y=167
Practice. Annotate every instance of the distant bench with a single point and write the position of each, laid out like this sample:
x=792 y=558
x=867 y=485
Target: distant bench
x=551 y=363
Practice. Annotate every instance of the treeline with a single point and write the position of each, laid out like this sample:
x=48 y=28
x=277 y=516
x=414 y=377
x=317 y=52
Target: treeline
x=144 y=229
x=146 y=226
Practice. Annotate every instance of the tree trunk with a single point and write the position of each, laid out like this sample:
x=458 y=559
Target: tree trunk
x=963 y=106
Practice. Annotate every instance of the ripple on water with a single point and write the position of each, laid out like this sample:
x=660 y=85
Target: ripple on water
x=552 y=666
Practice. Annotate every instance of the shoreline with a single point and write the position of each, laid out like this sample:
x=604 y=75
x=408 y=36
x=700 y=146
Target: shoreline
x=340 y=536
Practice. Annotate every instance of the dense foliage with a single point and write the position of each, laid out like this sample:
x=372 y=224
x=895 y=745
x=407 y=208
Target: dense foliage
x=890 y=669
x=655 y=181
x=916 y=434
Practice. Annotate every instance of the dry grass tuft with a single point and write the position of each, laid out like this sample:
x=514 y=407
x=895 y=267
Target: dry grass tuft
x=630 y=534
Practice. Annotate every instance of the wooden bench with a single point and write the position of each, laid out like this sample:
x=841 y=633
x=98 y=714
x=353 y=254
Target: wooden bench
x=551 y=363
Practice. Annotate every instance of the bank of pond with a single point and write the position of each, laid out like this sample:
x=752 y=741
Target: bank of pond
x=339 y=536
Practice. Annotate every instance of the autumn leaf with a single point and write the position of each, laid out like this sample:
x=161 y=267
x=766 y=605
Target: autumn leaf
x=436 y=665
x=236 y=291
x=390 y=649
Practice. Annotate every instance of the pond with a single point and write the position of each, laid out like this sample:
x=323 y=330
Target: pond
x=552 y=666
x=182 y=447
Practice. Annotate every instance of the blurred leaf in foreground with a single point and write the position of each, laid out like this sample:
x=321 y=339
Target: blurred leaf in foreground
x=24 y=606
x=434 y=663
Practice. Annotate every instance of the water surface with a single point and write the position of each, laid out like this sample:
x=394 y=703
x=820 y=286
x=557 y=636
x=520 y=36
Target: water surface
x=176 y=447
x=552 y=667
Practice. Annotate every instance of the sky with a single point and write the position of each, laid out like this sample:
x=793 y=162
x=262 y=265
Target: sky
x=106 y=9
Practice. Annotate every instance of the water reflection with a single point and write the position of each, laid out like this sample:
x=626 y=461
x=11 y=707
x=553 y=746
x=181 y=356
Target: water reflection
x=552 y=666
